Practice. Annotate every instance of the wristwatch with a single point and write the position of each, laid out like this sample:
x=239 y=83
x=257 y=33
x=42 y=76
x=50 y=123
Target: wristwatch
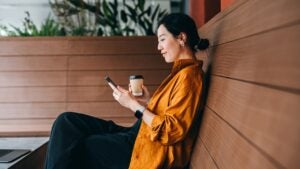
x=139 y=113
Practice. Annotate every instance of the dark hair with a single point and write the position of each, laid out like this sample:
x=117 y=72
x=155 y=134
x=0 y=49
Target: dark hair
x=176 y=23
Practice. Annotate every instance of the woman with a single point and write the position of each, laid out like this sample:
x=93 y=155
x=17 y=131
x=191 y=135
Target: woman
x=163 y=135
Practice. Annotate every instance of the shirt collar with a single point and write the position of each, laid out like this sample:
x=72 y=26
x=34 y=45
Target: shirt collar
x=182 y=63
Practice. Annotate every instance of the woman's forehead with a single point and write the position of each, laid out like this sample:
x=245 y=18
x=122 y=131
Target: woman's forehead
x=161 y=31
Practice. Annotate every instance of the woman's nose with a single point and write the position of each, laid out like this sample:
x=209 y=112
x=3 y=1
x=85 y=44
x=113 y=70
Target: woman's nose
x=158 y=47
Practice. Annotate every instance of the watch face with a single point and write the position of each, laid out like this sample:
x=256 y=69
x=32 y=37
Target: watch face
x=138 y=114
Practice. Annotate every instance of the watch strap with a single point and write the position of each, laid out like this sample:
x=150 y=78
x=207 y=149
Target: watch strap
x=139 y=113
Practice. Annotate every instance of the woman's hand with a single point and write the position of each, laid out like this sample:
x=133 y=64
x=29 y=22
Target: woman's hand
x=125 y=98
x=144 y=99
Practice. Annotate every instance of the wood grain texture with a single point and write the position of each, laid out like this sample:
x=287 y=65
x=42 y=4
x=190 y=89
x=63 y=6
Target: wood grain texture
x=252 y=112
x=10 y=111
x=100 y=109
x=251 y=60
x=33 y=79
x=201 y=159
x=25 y=127
x=243 y=22
x=42 y=127
x=117 y=62
x=263 y=115
x=18 y=111
x=94 y=93
x=77 y=45
x=43 y=77
x=32 y=94
x=228 y=148
x=33 y=63
x=218 y=17
x=95 y=78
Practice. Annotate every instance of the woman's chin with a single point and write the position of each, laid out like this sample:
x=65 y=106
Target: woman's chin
x=168 y=61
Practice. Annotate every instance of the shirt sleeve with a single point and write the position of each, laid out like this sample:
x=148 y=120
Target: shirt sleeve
x=178 y=116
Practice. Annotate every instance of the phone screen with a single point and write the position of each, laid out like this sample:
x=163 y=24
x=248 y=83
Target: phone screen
x=110 y=81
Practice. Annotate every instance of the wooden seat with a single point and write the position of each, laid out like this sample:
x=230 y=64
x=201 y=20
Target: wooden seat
x=43 y=77
x=251 y=118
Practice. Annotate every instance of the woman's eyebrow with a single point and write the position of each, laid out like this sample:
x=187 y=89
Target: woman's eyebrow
x=161 y=35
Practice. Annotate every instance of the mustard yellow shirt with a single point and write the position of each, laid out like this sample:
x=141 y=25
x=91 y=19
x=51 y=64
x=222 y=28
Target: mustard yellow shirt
x=168 y=142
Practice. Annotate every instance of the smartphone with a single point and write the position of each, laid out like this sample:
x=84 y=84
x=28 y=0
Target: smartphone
x=108 y=80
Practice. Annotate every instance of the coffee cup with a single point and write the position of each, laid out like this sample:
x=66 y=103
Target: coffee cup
x=136 y=83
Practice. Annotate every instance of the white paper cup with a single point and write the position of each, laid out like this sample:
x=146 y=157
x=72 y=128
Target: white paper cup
x=136 y=83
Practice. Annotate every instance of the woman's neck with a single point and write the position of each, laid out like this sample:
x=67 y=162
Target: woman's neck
x=186 y=54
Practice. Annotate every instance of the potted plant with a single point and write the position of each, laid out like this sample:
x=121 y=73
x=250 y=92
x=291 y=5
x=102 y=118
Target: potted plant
x=103 y=18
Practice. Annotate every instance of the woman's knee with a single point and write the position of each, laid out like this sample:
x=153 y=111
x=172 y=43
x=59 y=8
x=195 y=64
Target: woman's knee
x=65 y=118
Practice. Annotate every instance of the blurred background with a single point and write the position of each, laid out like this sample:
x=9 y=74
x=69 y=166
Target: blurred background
x=97 y=17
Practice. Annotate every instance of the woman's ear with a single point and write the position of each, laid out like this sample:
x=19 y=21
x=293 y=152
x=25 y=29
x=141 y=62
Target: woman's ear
x=182 y=37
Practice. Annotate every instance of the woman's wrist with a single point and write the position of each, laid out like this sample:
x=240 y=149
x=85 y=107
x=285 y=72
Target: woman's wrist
x=136 y=106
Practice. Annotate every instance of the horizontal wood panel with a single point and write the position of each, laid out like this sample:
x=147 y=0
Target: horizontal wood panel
x=31 y=110
x=87 y=94
x=77 y=45
x=228 y=148
x=117 y=62
x=217 y=18
x=201 y=158
x=269 y=118
x=100 y=109
x=244 y=22
x=42 y=127
x=25 y=127
x=249 y=59
x=33 y=63
x=32 y=94
x=86 y=78
x=27 y=79
x=36 y=82
x=52 y=110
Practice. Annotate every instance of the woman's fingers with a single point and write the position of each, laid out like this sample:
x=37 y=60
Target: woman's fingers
x=121 y=89
x=117 y=95
x=145 y=89
x=129 y=88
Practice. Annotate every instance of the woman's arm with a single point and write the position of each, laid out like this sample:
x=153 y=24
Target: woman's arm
x=127 y=100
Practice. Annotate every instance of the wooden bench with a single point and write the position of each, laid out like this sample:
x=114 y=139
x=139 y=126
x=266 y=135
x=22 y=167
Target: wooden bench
x=252 y=113
x=41 y=77
x=251 y=117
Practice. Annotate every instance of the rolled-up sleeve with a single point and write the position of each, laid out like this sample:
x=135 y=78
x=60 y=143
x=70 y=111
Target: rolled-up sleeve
x=178 y=115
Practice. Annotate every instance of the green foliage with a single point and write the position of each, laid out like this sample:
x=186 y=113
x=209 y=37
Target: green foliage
x=48 y=28
x=106 y=18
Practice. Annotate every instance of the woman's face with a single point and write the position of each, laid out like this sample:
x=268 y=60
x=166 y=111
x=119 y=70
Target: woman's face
x=168 y=45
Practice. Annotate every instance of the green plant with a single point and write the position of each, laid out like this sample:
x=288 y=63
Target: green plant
x=48 y=28
x=103 y=18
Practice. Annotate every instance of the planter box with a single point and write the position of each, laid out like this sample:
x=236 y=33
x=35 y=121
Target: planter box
x=43 y=77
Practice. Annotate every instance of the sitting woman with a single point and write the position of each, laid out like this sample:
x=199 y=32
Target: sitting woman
x=163 y=135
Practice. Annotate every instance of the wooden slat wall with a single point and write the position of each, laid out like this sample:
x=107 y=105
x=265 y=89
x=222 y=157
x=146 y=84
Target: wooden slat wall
x=43 y=77
x=251 y=119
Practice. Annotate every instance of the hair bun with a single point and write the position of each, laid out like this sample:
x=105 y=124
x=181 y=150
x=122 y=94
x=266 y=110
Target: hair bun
x=202 y=44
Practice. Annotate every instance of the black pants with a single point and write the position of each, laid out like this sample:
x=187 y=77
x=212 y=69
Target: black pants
x=78 y=141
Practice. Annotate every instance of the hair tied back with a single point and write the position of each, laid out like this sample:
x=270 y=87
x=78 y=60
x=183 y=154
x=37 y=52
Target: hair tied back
x=202 y=44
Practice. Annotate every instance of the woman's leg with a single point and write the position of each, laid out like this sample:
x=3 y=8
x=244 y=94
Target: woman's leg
x=67 y=137
x=110 y=151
